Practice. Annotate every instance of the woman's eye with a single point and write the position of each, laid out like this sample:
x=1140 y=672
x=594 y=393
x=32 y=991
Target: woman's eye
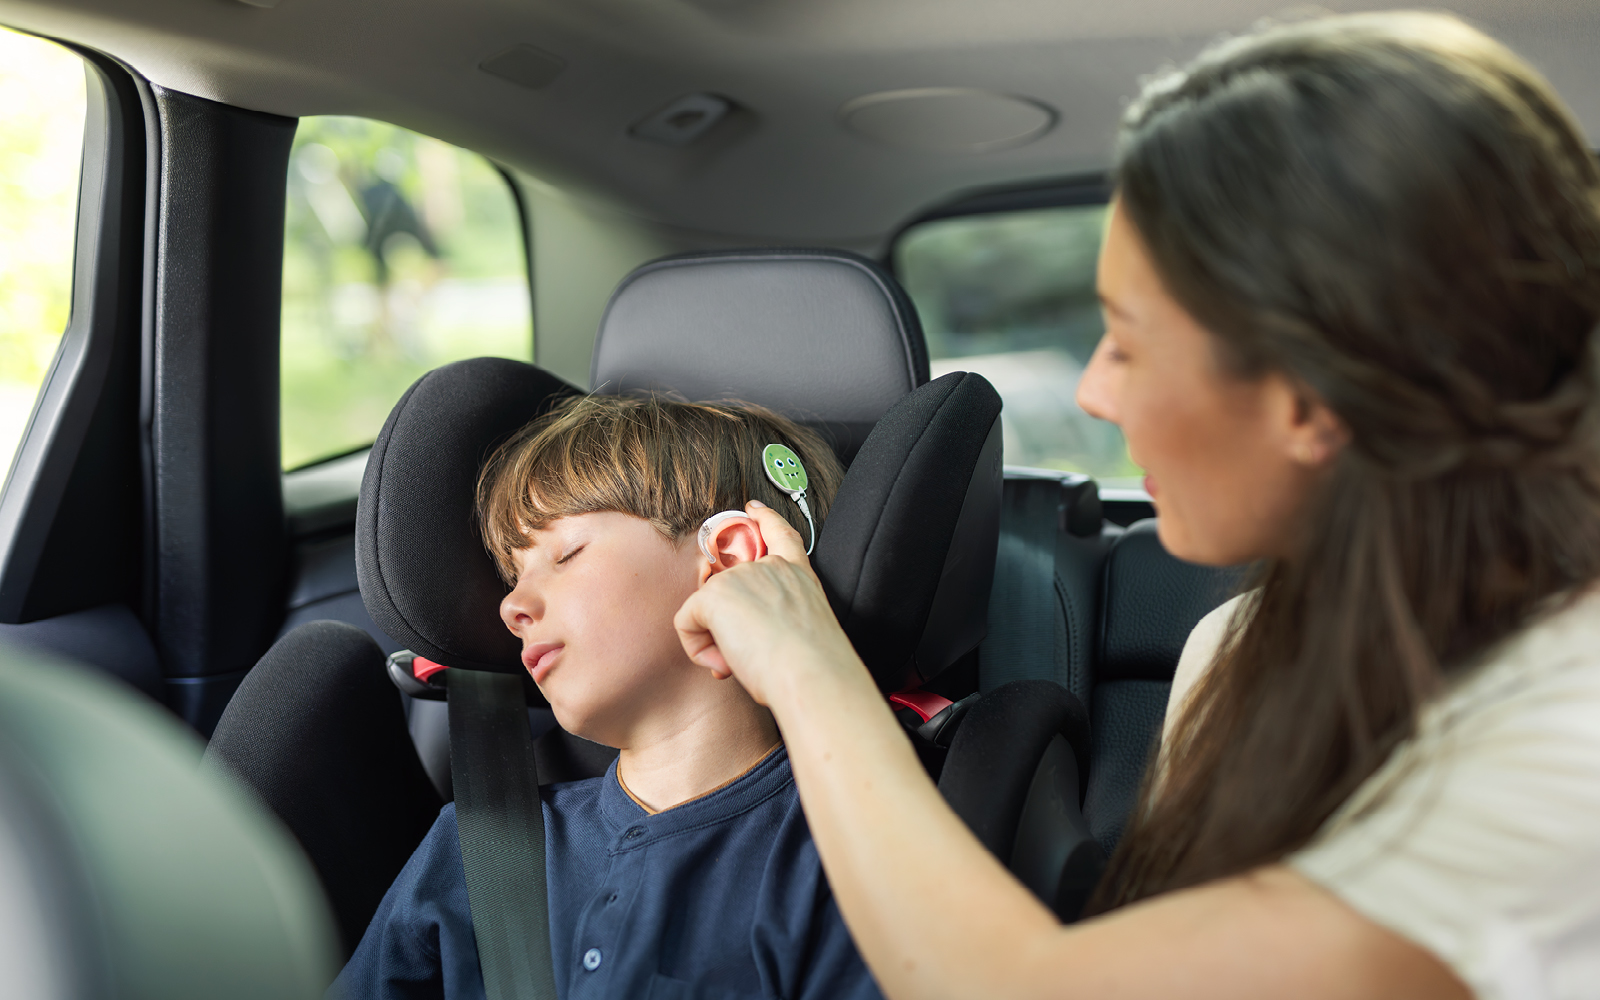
x=562 y=561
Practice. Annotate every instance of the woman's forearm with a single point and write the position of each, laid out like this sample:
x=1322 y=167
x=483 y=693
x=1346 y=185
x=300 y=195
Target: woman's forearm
x=934 y=913
x=936 y=916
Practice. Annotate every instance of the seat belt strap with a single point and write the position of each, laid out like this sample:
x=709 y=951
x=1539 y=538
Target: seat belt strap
x=501 y=825
x=1023 y=606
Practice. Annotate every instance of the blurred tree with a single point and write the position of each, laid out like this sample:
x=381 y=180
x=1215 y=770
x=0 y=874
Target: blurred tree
x=401 y=253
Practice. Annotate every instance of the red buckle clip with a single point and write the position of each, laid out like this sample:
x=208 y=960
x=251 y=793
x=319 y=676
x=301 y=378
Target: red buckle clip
x=925 y=703
x=422 y=669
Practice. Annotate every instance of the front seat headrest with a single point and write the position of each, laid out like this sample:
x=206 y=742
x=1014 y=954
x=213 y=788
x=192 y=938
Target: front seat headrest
x=824 y=337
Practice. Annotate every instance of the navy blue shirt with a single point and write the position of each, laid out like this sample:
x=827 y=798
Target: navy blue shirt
x=722 y=897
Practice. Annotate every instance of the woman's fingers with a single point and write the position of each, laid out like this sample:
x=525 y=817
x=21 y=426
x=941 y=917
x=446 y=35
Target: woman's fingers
x=781 y=538
x=755 y=618
x=698 y=643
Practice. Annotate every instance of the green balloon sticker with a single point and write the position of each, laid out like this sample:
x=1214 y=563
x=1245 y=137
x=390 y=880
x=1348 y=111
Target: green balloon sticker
x=784 y=468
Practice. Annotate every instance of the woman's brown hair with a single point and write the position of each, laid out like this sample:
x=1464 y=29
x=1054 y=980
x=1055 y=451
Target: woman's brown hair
x=672 y=463
x=1398 y=214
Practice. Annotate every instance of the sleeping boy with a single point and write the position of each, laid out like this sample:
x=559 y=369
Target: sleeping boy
x=688 y=869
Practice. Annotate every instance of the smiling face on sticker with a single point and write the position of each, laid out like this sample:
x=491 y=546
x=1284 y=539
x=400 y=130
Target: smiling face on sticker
x=784 y=468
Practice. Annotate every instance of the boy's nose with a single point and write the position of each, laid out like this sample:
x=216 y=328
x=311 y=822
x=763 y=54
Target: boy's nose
x=520 y=609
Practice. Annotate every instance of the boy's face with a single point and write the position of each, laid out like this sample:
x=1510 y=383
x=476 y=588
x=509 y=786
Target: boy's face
x=593 y=606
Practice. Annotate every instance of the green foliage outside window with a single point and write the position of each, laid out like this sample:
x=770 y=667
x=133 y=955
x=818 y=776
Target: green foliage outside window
x=41 y=149
x=401 y=253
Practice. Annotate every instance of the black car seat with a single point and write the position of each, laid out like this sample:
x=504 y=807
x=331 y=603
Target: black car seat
x=907 y=553
x=1149 y=603
x=1101 y=611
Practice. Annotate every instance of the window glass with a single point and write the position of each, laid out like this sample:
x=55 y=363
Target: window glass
x=1012 y=297
x=401 y=253
x=41 y=153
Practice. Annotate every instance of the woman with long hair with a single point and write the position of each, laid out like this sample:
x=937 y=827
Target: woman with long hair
x=1351 y=283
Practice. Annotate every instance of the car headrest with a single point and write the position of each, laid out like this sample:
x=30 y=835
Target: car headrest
x=424 y=574
x=1151 y=602
x=824 y=337
x=906 y=554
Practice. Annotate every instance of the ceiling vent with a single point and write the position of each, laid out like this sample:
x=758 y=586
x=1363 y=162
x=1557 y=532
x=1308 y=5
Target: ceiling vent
x=948 y=119
x=524 y=66
x=683 y=121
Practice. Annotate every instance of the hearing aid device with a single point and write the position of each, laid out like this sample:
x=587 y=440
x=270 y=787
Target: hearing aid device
x=710 y=526
x=789 y=475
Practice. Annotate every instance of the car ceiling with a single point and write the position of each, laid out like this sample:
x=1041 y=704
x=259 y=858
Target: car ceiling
x=783 y=167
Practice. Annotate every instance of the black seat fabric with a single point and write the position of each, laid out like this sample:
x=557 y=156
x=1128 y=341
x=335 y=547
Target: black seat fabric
x=424 y=574
x=1013 y=776
x=1098 y=617
x=907 y=553
x=1044 y=613
x=1150 y=602
x=317 y=730
x=825 y=337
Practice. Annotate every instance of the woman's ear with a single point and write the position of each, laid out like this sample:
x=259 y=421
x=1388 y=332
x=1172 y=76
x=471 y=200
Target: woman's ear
x=1315 y=433
x=731 y=542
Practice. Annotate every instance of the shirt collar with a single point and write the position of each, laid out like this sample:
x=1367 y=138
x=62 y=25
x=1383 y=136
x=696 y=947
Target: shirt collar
x=767 y=778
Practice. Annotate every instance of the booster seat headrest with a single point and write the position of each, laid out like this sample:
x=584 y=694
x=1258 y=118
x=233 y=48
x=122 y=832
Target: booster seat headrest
x=906 y=554
x=424 y=574
x=825 y=337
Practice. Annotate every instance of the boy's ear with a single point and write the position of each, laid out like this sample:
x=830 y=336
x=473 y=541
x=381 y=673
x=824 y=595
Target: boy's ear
x=733 y=541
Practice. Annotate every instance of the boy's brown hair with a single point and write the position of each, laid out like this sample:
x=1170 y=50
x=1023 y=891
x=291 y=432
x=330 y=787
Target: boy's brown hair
x=672 y=463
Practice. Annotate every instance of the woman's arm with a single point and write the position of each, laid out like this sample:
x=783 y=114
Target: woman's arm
x=934 y=914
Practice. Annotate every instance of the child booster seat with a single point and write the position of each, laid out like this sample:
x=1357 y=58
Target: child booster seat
x=906 y=555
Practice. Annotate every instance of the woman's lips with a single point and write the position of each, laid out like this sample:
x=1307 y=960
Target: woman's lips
x=540 y=657
x=1150 y=486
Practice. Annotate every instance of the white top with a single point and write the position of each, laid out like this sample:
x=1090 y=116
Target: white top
x=1480 y=838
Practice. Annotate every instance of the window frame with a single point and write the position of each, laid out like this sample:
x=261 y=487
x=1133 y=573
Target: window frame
x=107 y=279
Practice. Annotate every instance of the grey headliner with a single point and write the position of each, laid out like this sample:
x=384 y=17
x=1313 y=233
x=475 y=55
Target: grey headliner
x=786 y=170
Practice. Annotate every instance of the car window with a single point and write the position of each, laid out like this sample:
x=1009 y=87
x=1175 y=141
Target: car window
x=1011 y=295
x=401 y=253
x=41 y=151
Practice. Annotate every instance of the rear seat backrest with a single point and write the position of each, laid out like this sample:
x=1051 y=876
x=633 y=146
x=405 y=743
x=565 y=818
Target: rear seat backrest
x=1149 y=603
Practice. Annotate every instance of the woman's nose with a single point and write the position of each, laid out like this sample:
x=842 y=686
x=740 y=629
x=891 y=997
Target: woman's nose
x=521 y=608
x=1094 y=394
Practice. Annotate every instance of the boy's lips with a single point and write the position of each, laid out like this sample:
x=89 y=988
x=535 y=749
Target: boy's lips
x=540 y=657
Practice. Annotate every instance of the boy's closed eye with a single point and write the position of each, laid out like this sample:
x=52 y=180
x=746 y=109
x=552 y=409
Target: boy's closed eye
x=564 y=559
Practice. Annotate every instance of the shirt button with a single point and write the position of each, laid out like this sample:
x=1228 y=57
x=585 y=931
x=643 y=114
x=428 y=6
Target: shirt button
x=634 y=833
x=591 y=959
x=611 y=898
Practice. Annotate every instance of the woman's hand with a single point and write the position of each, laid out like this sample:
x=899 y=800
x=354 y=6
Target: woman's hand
x=768 y=621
